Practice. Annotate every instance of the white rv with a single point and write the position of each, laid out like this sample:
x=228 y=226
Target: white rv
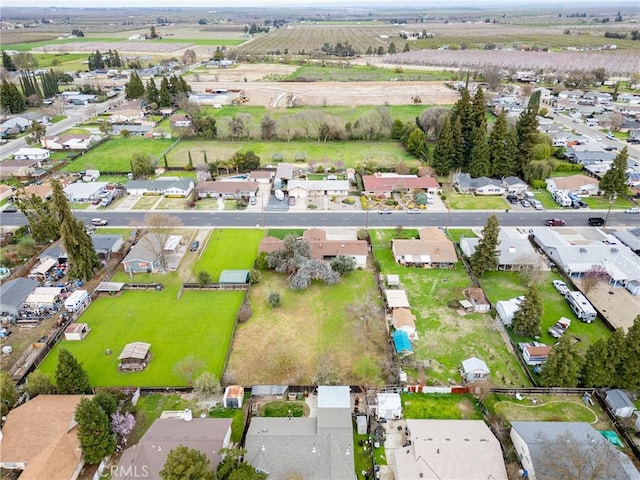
x=76 y=300
x=581 y=307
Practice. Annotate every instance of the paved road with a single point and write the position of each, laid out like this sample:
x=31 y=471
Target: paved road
x=356 y=219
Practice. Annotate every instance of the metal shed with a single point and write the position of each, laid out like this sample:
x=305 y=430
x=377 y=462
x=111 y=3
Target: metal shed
x=234 y=276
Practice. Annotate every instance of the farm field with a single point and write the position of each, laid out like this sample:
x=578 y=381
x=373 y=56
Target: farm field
x=310 y=338
x=445 y=338
x=199 y=324
x=115 y=154
x=229 y=249
x=360 y=73
x=506 y=285
x=350 y=153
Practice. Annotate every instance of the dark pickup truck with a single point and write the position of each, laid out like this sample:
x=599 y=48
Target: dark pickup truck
x=595 y=221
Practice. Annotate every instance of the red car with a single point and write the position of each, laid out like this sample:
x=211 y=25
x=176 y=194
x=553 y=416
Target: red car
x=555 y=222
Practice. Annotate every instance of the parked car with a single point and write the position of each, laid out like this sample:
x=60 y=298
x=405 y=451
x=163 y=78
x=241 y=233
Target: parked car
x=559 y=328
x=194 y=246
x=525 y=203
x=560 y=286
x=632 y=210
x=386 y=211
x=253 y=200
x=610 y=136
x=10 y=208
x=555 y=222
x=413 y=210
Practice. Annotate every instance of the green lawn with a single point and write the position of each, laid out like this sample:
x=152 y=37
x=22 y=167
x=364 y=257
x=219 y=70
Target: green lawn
x=115 y=154
x=282 y=232
x=459 y=201
x=199 y=324
x=439 y=406
x=446 y=338
x=455 y=234
x=362 y=73
x=229 y=249
x=350 y=153
x=506 y=285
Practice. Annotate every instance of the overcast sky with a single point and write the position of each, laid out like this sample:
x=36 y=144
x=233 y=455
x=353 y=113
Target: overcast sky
x=311 y=3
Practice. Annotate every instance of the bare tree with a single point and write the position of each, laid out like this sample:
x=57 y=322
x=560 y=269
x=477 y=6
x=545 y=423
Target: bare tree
x=189 y=56
x=597 y=273
x=158 y=228
x=188 y=368
x=431 y=121
x=570 y=458
x=533 y=271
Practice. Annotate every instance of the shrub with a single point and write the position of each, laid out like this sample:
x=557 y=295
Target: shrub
x=363 y=234
x=567 y=167
x=311 y=206
x=244 y=314
x=538 y=184
x=254 y=276
x=364 y=201
x=274 y=299
x=204 y=278
x=349 y=201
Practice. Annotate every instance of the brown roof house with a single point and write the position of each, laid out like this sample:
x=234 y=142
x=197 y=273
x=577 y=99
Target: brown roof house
x=40 y=437
x=433 y=249
x=322 y=247
x=387 y=183
x=147 y=458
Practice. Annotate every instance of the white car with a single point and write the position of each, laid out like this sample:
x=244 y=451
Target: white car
x=561 y=287
x=632 y=210
x=610 y=136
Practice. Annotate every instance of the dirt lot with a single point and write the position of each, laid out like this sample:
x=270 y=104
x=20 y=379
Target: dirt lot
x=618 y=306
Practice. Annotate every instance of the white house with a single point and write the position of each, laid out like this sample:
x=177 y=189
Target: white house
x=535 y=355
x=167 y=186
x=478 y=186
x=32 y=154
x=581 y=185
x=84 y=192
x=317 y=188
x=474 y=370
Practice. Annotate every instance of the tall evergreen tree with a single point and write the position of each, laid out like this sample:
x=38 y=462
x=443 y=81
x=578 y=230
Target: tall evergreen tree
x=616 y=179
x=479 y=109
x=7 y=62
x=416 y=144
x=94 y=431
x=480 y=165
x=526 y=320
x=485 y=257
x=152 y=93
x=502 y=148
x=562 y=369
x=458 y=144
x=76 y=240
x=71 y=379
x=631 y=365
x=526 y=130
x=165 y=93
x=596 y=369
x=444 y=150
x=10 y=98
x=463 y=111
x=134 y=87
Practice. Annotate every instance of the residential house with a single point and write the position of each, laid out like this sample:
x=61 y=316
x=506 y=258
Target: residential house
x=84 y=192
x=14 y=292
x=14 y=126
x=323 y=246
x=403 y=319
x=19 y=168
x=474 y=370
x=580 y=185
x=146 y=256
x=630 y=238
x=535 y=355
x=71 y=141
x=388 y=183
x=39 y=154
x=130 y=112
x=134 y=130
x=313 y=448
x=261 y=176
x=432 y=249
x=207 y=435
x=620 y=403
x=545 y=448
x=463 y=183
x=284 y=171
x=40 y=438
x=180 y=121
x=79 y=98
x=576 y=258
x=317 y=188
x=164 y=186
x=449 y=450
x=234 y=190
x=515 y=251
x=514 y=185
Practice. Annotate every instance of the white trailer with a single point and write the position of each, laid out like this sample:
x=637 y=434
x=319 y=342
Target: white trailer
x=76 y=300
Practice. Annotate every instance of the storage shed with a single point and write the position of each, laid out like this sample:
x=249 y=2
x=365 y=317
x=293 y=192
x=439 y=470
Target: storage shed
x=233 y=396
x=389 y=406
x=76 y=331
x=361 y=424
x=506 y=309
x=620 y=403
x=402 y=343
x=396 y=299
x=474 y=370
x=135 y=356
x=234 y=276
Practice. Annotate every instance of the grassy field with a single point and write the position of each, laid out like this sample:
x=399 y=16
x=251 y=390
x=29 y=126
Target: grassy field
x=310 y=337
x=169 y=324
x=506 y=285
x=282 y=232
x=115 y=154
x=439 y=406
x=548 y=408
x=229 y=249
x=445 y=338
x=459 y=201
x=350 y=153
x=361 y=73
